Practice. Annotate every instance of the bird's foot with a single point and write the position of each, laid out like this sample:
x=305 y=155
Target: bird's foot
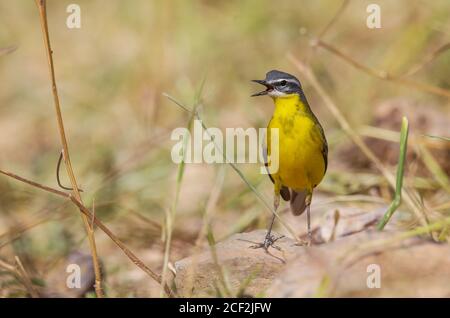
x=269 y=241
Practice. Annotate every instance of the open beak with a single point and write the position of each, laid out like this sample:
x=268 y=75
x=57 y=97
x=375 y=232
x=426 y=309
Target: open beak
x=265 y=92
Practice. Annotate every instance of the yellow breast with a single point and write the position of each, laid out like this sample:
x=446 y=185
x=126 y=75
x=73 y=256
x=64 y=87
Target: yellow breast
x=301 y=162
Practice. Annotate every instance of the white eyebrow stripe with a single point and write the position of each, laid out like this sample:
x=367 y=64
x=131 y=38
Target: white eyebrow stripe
x=289 y=80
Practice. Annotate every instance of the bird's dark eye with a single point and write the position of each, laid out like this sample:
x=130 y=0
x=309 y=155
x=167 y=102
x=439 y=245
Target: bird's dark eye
x=282 y=83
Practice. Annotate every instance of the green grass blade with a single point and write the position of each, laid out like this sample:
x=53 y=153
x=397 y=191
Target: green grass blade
x=399 y=181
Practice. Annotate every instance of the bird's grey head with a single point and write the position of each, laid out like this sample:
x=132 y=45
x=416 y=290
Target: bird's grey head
x=279 y=84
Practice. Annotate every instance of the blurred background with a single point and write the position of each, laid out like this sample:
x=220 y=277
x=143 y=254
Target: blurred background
x=111 y=74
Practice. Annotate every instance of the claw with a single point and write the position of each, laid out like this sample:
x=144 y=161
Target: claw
x=268 y=242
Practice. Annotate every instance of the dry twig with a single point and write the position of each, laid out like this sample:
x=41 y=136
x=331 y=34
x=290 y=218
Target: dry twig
x=383 y=75
x=87 y=213
x=65 y=151
x=18 y=270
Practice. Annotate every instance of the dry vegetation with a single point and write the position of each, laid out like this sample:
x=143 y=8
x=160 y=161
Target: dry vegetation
x=111 y=75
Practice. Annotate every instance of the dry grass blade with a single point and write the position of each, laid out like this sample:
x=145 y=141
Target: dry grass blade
x=97 y=222
x=433 y=166
x=44 y=216
x=27 y=280
x=381 y=244
x=428 y=59
x=383 y=75
x=90 y=233
x=310 y=53
x=34 y=184
x=7 y=50
x=19 y=271
x=225 y=284
x=210 y=204
x=170 y=216
x=119 y=243
x=438 y=137
x=334 y=19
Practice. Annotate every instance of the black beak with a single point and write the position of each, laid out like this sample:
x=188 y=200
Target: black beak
x=262 y=82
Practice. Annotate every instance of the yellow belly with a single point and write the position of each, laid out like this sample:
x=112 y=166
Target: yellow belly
x=301 y=162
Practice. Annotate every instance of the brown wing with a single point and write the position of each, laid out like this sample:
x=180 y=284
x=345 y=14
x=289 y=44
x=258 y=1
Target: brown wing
x=324 y=141
x=324 y=148
x=325 y=152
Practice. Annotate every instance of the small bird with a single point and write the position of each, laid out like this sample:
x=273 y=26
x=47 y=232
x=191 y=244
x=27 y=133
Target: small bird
x=302 y=147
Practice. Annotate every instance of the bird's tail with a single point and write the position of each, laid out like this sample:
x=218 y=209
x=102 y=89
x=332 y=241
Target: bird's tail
x=298 y=202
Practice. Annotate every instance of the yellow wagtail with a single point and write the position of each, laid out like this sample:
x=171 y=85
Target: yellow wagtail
x=302 y=147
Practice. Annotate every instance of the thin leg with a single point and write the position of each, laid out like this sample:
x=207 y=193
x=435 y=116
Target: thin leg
x=270 y=239
x=276 y=203
x=308 y=217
